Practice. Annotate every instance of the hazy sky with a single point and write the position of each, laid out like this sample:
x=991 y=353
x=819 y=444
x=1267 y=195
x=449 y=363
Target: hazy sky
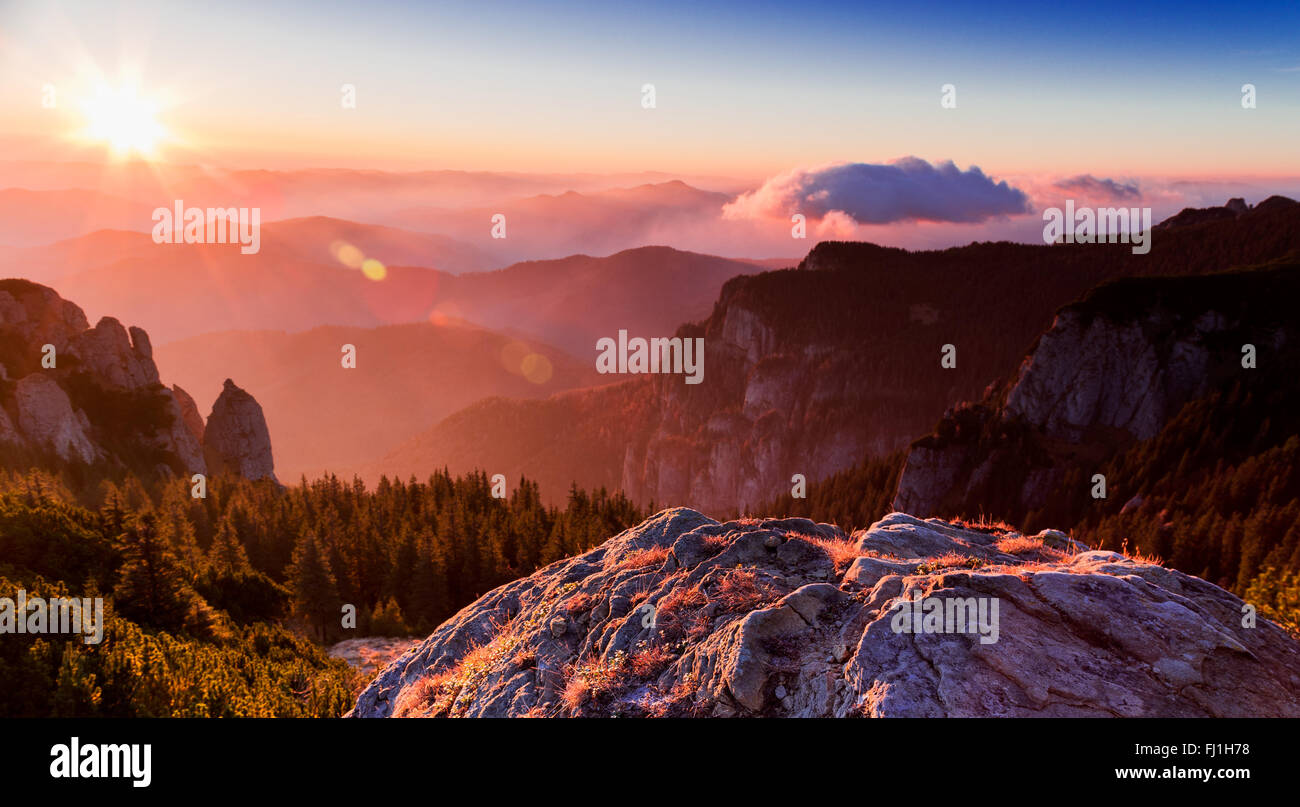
x=742 y=89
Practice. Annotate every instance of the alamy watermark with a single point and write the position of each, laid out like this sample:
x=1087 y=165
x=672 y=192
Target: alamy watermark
x=656 y=355
x=1103 y=225
x=215 y=225
x=974 y=615
x=77 y=760
x=54 y=615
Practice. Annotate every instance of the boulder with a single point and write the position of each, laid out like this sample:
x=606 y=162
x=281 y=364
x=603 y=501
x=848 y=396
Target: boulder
x=740 y=628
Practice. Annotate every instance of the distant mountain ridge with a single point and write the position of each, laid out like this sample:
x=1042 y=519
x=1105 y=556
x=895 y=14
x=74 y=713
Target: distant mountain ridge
x=200 y=288
x=810 y=370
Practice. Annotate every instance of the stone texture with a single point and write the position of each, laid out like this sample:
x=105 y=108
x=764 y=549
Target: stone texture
x=1097 y=381
x=1094 y=372
x=116 y=360
x=744 y=626
x=8 y=432
x=181 y=439
x=113 y=358
x=236 y=439
x=189 y=412
x=776 y=405
x=46 y=418
x=41 y=317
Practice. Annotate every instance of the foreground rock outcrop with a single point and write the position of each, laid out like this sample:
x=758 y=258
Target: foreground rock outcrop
x=684 y=616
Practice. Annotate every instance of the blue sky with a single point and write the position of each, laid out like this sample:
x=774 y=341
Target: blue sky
x=745 y=89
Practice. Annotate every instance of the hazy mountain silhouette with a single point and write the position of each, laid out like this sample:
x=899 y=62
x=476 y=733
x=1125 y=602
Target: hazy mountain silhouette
x=31 y=217
x=323 y=416
x=176 y=291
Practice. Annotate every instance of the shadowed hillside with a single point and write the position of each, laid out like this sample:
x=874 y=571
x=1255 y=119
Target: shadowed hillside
x=810 y=370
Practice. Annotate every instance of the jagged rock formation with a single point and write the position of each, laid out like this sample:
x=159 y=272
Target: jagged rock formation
x=1235 y=208
x=95 y=397
x=684 y=616
x=236 y=439
x=1112 y=370
x=116 y=361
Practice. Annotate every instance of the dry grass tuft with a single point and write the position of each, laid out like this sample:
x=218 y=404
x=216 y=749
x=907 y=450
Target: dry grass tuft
x=581 y=602
x=842 y=553
x=649 y=661
x=678 y=615
x=1138 y=556
x=590 y=678
x=453 y=689
x=1019 y=544
x=950 y=560
x=643 y=558
x=744 y=590
x=984 y=524
x=717 y=543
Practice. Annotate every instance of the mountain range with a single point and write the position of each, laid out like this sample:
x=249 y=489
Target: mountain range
x=812 y=369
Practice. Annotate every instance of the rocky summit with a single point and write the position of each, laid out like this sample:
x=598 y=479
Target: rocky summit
x=92 y=396
x=685 y=616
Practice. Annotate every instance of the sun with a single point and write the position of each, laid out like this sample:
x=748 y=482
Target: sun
x=123 y=120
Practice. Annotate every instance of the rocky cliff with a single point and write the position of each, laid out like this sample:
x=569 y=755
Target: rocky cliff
x=685 y=616
x=1112 y=370
x=810 y=370
x=93 y=396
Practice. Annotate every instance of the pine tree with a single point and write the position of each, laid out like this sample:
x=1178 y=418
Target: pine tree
x=151 y=587
x=315 y=592
x=226 y=556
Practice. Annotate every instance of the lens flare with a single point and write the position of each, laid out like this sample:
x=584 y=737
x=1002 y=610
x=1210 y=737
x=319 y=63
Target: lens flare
x=536 y=368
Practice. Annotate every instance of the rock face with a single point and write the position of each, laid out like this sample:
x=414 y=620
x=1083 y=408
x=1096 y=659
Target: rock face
x=189 y=412
x=46 y=419
x=38 y=316
x=1100 y=371
x=812 y=370
x=74 y=400
x=185 y=436
x=1113 y=369
x=236 y=439
x=116 y=361
x=684 y=616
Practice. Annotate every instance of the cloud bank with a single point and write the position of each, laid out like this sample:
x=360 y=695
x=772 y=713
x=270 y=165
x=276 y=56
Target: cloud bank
x=909 y=189
x=1092 y=187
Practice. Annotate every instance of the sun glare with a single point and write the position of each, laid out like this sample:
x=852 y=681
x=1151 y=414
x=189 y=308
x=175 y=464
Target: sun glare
x=121 y=119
